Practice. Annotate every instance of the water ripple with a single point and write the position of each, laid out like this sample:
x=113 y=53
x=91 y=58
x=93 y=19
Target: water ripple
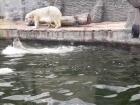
x=51 y=101
x=31 y=98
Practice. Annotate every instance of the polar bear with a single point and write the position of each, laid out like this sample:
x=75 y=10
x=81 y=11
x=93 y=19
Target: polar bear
x=50 y=14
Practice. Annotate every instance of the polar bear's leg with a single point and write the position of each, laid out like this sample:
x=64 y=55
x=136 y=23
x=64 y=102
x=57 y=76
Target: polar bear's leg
x=46 y=20
x=36 y=21
x=57 y=23
x=52 y=25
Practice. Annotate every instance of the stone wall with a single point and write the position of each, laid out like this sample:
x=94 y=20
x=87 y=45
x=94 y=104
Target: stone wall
x=134 y=19
x=1 y=9
x=13 y=9
x=116 y=10
x=113 y=10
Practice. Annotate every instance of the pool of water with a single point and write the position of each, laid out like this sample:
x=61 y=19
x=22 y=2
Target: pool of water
x=68 y=75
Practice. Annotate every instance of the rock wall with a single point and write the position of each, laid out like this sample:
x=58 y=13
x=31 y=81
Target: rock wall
x=116 y=10
x=13 y=9
x=134 y=19
x=113 y=10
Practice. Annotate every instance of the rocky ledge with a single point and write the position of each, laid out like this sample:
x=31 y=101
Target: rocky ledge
x=96 y=32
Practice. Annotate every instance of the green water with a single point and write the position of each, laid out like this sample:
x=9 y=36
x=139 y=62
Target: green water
x=94 y=75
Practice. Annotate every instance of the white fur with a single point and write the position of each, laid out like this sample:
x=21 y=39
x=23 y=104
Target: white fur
x=47 y=14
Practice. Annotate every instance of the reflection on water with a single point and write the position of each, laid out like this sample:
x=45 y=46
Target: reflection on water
x=4 y=71
x=117 y=89
x=66 y=75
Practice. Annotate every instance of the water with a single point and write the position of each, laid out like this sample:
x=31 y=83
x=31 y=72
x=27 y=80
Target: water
x=67 y=75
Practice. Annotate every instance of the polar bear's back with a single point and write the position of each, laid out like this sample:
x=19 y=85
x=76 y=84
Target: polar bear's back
x=48 y=11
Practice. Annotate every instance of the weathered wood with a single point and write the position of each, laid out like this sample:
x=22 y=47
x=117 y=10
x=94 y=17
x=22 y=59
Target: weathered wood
x=81 y=19
x=68 y=20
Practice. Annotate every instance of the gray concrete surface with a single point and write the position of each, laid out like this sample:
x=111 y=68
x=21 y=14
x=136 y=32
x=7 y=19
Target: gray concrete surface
x=112 y=32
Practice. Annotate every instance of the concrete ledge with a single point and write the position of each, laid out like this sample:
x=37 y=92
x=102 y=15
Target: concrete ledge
x=101 y=32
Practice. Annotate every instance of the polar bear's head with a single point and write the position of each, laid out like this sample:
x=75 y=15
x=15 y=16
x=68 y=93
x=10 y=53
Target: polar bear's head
x=29 y=19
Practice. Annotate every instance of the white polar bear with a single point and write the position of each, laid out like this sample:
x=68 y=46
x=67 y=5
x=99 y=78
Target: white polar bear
x=50 y=14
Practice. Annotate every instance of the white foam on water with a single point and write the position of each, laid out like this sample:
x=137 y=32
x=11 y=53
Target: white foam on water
x=10 y=50
x=117 y=89
x=4 y=71
x=51 y=76
x=111 y=96
x=69 y=94
x=17 y=97
x=27 y=97
x=8 y=104
x=51 y=101
x=135 y=97
x=66 y=92
x=69 y=82
x=1 y=93
x=36 y=97
x=63 y=91
x=6 y=84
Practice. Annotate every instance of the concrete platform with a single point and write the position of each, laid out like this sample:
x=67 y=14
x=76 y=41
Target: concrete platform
x=95 y=32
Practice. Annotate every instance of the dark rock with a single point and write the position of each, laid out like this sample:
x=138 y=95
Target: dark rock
x=135 y=31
